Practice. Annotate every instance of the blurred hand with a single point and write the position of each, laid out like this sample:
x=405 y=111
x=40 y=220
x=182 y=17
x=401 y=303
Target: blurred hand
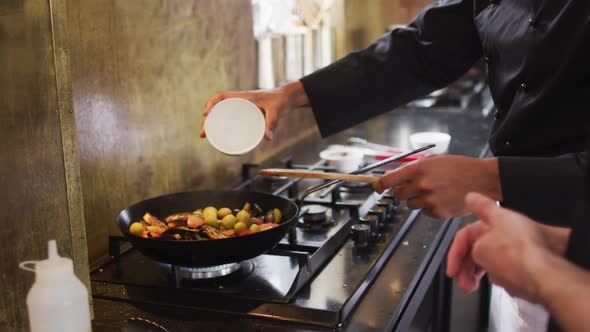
x=507 y=245
x=460 y=263
x=438 y=184
x=274 y=103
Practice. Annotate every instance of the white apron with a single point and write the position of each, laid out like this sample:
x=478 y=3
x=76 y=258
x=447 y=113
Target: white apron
x=511 y=314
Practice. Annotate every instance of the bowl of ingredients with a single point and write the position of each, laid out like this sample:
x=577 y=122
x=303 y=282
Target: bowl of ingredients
x=235 y=126
x=343 y=159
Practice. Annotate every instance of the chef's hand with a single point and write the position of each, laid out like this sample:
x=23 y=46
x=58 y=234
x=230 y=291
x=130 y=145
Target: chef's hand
x=274 y=103
x=438 y=184
x=507 y=245
x=460 y=263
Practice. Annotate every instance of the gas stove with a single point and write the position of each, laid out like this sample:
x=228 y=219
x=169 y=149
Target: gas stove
x=315 y=276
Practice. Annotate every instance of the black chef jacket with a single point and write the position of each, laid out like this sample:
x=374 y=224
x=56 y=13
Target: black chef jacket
x=577 y=250
x=537 y=54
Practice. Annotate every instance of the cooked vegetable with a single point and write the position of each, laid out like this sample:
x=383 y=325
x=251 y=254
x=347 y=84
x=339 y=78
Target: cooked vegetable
x=256 y=221
x=208 y=223
x=278 y=215
x=223 y=212
x=156 y=231
x=209 y=208
x=210 y=217
x=212 y=233
x=153 y=221
x=178 y=217
x=269 y=217
x=244 y=216
x=229 y=221
x=264 y=227
x=195 y=221
x=136 y=229
x=230 y=233
x=239 y=227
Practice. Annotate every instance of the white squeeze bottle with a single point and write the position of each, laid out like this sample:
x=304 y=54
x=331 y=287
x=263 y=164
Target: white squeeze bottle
x=58 y=300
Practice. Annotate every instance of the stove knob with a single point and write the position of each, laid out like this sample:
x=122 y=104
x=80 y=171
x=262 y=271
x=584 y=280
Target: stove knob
x=387 y=204
x=389 y=194
x=360 y=234
x=380 y=212
x=372 y=221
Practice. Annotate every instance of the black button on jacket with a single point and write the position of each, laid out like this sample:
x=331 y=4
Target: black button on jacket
x=538 y=72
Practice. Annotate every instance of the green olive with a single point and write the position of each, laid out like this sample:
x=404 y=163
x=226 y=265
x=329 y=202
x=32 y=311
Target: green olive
x=136 y=229
x=277 y=215
x=221 y=213
x=198 y=212
x=210 y=217
x=209 y=208
x=239 y=227
x=229 y=221
x=254 y=228
x=243 y=216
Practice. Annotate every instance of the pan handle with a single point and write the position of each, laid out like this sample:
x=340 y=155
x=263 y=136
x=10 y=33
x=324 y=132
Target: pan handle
x=360 y=171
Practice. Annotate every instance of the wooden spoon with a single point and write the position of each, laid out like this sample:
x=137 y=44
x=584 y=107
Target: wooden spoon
x=297 y=173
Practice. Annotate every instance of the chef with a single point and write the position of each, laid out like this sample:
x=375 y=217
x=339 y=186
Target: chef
x=536 y=53
x=532 y=265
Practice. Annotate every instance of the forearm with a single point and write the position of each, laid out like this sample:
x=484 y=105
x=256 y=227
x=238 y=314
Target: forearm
x=296 y=95
x=436 y=48
x=564 y=289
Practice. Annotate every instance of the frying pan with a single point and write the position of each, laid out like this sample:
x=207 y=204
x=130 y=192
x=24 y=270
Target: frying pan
x=207 y=252
x=221 y=251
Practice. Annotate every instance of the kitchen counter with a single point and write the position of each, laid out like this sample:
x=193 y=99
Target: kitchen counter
x=395 y=297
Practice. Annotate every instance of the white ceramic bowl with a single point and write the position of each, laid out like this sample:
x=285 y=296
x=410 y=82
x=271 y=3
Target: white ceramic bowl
x=441 y=140
x=235 y=126
x=343 y=159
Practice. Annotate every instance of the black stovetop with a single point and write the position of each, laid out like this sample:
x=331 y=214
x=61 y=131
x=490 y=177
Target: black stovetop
x=278 y=284
x=133 y=286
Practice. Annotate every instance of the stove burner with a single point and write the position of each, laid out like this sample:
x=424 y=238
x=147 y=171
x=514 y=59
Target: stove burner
x=353 y=186
x=275 y=179
x=315 y=218
x=198 y=273
x=315 y=214
x=187 y=276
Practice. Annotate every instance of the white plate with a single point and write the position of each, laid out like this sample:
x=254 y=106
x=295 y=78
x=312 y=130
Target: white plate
x=235 y=126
